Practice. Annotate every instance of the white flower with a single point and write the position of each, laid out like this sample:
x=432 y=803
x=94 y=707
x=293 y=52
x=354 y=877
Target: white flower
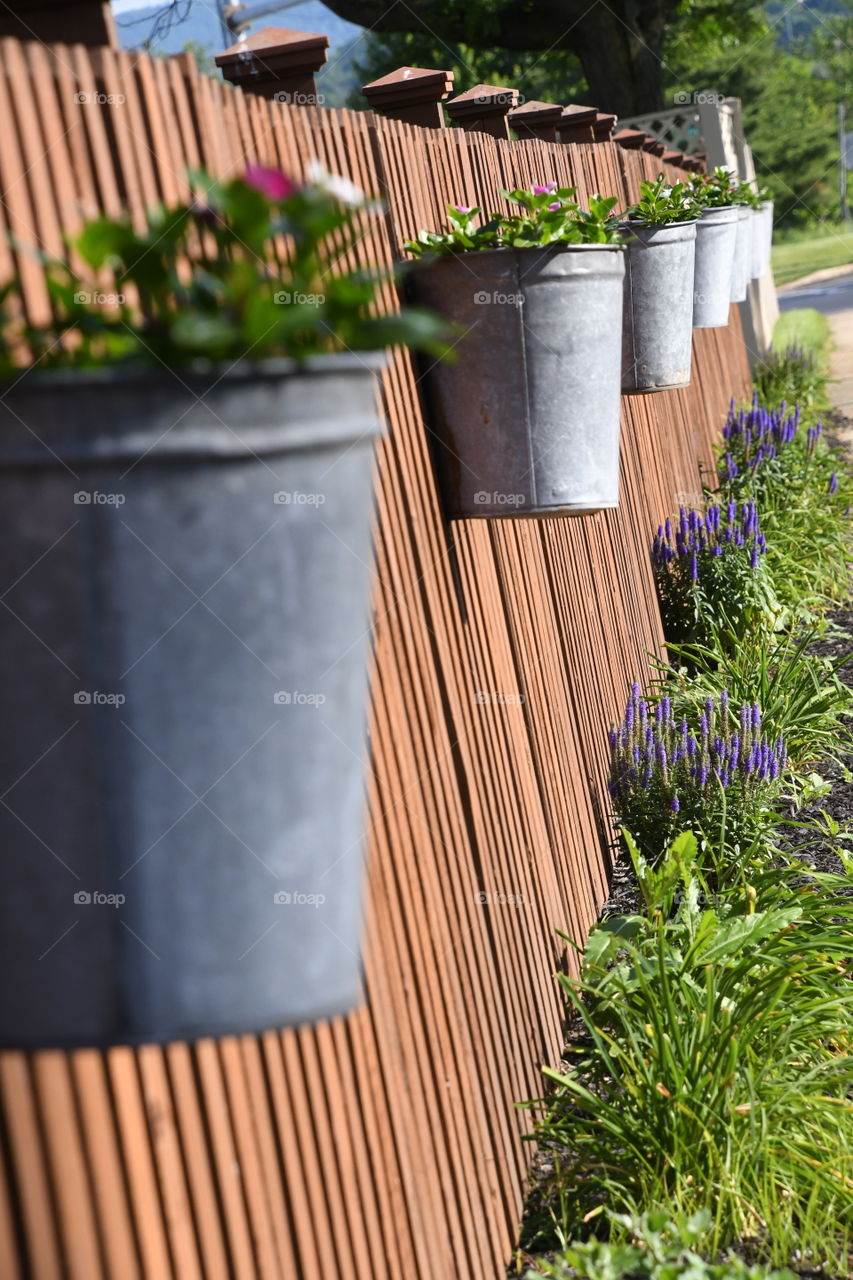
x=341 y=188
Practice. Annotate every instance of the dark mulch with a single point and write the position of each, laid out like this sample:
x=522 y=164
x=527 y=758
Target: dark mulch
x=624 y=899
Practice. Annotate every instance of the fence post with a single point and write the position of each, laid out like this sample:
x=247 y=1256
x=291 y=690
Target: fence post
x=276 y=63
x=412 y=94
x=536 y=120
x=630 y=139
x=484 y=108
x=576 y=124
x=603 y=126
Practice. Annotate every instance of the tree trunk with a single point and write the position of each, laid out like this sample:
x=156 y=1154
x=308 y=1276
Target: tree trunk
x=620 y=49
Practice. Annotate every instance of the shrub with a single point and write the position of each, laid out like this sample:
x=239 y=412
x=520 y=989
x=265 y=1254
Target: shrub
x=710 y=1066
x=709 y=565
x=794 y=373
x=801 y=697
x=715 y=772
x=772 y=458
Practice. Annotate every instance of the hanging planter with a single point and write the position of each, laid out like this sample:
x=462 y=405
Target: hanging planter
x=725 y=245
x=742 y=264
x=756 y=243
x=716 y=236
x=657 y=334
x=526 y=422
x=187 y=575
x=202 y=646
x=764 y=236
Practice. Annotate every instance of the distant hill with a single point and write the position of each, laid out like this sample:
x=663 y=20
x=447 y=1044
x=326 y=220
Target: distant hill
x=201 y=29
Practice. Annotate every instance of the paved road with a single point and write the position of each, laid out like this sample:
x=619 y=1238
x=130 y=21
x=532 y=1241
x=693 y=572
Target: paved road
x=835 y=299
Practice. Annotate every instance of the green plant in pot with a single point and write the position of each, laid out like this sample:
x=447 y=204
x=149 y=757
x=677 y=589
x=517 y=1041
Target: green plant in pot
x=715 y=277
x=186 y=478
x=722 y=190
x=527 y=424
x=658 y=318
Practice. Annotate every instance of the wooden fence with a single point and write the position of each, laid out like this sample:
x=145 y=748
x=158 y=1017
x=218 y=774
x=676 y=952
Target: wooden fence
x=384 y=1144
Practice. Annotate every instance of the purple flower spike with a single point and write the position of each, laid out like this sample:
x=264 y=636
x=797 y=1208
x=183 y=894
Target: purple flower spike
x=675 y=804
x=833 y=483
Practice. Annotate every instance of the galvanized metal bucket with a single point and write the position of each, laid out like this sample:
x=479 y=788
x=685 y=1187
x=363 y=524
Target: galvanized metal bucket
x=182 y=713
x=767 y=208
x=756 y=233
x=526 y=422
x=742 y=264
x=716 y=234
x=657 y=334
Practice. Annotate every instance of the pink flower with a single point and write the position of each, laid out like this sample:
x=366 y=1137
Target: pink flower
x=546 y=190
x=462 y=208
x=555 y=205
x=272 y=183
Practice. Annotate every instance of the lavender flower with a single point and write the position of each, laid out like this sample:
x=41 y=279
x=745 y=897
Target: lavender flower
x=699 y=535
x=679 y=766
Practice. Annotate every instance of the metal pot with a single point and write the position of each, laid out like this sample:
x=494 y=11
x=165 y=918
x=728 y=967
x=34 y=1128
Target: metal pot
x=743 y=254
x=767 y=208
x=526 y=422
x=657 y=334
x=186 y=580
x=716 y=234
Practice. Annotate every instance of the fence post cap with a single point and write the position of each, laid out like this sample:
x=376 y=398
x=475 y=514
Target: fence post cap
x=272 y=41
x=411 y=94
x=535 y=112
x=483 y=95
x=603 y=126
x=576 y=123
x=536 y=120
x=673 y=157
x=631 y=139
x=485 y=108
x=409 y=84
x=276 y=63
x=579 y=114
